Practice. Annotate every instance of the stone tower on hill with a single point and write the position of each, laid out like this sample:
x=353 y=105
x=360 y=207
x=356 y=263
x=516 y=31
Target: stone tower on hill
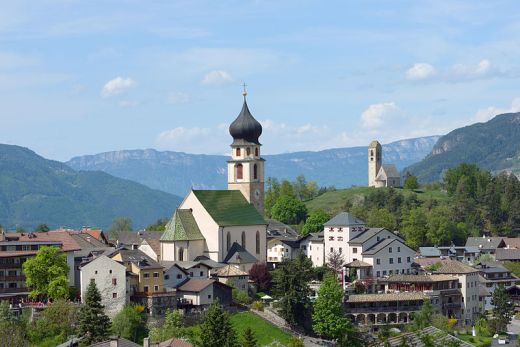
x=380 y=175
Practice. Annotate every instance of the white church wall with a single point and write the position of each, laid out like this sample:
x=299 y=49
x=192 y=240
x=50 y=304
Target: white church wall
x=250 y=232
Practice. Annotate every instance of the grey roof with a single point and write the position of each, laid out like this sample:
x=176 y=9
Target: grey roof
x=368 y=234
x=490 y=243
x=136 y=237
x=374 y=143
x=316 y=237
x=279 y=230
x=185 y=265
x=344 y=219
x=121 y=342
x=245 y=126
x=87 y=241
x=135 y=256
x=291 y=243
x=244 y=256
x=504 y=254
x=430 y=251
x=209 y=262
x=386 y=171
x=381 y=245
x=494 y=269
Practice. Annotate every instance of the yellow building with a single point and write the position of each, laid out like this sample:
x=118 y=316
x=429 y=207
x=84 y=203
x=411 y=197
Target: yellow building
x=147 y=274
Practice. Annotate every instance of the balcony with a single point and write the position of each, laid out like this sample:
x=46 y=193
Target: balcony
x=13 y=290
x=452 y=305
x=382 y=309
x=19 y=278
x=10 y=266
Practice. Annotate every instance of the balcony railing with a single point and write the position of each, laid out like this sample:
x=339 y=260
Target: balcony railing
x=382 y=309
x=12 y=278
x=10 y=266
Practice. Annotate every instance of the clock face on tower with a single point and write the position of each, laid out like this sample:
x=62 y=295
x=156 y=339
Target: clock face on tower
x=257 y=194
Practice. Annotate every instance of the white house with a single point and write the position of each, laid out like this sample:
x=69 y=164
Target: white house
x=201 y=292
x=313 y=247
x=279 y=250
x=110 y=278
x=232 y=276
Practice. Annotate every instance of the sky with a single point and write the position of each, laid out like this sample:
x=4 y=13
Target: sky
x=83 y=77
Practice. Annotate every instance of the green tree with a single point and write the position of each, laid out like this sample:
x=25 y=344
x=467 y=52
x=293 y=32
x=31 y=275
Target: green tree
x=159 y=225
x=328 y=317
x=503 y=310
x=414 y=228
x=249 y=339
x=422 y=318
x=119 y=224
x=41 y=228
x=441 y=230
x=12 y=334
x=93 y=324
x=381 y=217
x=315 y=221
x=410 y=182
x=287 y=189
x=289 y=210
x=128 y=323
x=291 y=285
x=173 y=327
x=47 y=273
x=272 y=194
x=216 y=328
x=56 y=322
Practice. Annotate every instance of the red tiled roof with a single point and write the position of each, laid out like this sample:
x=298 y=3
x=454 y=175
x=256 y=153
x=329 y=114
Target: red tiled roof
x=174 y=342
x=68 y=243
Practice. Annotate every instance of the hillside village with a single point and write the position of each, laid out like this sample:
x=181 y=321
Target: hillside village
x=219 y=248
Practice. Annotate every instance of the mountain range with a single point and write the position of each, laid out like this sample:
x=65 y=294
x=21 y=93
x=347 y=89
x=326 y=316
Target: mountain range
x=36 y=190
x=177 y=172
x=493 y=145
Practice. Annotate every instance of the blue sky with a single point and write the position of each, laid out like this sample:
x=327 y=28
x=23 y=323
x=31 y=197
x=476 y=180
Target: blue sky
x=82 y=77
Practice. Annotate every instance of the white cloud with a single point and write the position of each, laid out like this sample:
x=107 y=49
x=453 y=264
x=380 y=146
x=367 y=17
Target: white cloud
x=117 y=86
x=468 y=72
x=181 y=134
x=420 y=71
x=485 y=114
x=217 y=78
x=178 y=98
x=376 y=115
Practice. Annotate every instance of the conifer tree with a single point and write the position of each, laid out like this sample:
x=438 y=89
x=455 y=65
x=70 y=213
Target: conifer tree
x=216 y=328
x=93 y=324
x=249 y=339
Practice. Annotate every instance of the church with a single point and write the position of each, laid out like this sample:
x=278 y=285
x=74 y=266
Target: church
x=226 y=226
x=379 y=174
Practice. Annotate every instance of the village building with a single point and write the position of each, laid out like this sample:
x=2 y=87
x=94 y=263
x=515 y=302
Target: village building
x=313 y=246
x=379 y=174
x=203 y=292
x=465 y=254
x=486 y=244
x=491 y=276
x=110 y=278
x=233 y=277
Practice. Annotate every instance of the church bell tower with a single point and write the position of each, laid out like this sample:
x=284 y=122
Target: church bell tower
x=246 y=167
x=374 y=161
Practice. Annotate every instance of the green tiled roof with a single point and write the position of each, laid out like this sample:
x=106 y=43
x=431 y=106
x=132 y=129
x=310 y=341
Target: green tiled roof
x=229 y=207
x=182 y=227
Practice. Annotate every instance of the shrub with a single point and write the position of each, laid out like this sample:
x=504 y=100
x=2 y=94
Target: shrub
x=258 y=305
x=241 y=297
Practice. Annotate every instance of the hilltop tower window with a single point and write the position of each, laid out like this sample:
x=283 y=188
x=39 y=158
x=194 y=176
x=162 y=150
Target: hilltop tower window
x=244 y=239
x=238 y=152
x=257 y=242
x=239 y=171
x=256 y=151
x=228 y=241
x=181 y=254
x=255 y=172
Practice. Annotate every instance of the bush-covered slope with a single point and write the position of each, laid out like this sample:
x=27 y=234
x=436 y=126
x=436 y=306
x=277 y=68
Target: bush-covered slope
x=35 y=190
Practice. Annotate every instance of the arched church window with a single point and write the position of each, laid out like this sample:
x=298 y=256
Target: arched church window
x=248 y=151
x=257 y=242
x=228 y=241
x=181 y=254
x=256 y=151
x=240 y=171
x=372 y=152
x=255 y=172
x=244 y=239
x=238 y=152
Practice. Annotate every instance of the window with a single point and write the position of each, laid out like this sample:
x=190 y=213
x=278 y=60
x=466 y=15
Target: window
x=228 y=241
x=331 y=238
x=384 y=272
x=145 y=288
x=331 y=229
x=209 y=296
x=389 y=249
x=166 y=277
x=378 y=261
x=340 y=229
x=304 y=248
x=114 y=295
x=390 y=272
x=398 y=249
x=92 y=280
x=238 y=152
x=340 y=250
x=378 y=274
x=408 y=260
x=114 y=281
x=391 y=260
x=110 y=271
x=155 y=274
x=155 y=288
x=239 y=171
x=257 y=242
x=95 y=272
x=244 y=239
x=399 y=260
x=181 y=254
x=191 y=273
x=255 y=171
x=201 y=273
x=340 y=238
x=354 y=250
x=256 y=151
x=331 y=249
x=146 y=275
x=179 y=276
x=248 y=151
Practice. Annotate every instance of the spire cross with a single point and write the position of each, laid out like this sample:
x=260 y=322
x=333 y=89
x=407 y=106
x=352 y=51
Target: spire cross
x=244 y=93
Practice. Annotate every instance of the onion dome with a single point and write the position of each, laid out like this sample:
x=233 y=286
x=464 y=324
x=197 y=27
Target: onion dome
x=245 y=127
